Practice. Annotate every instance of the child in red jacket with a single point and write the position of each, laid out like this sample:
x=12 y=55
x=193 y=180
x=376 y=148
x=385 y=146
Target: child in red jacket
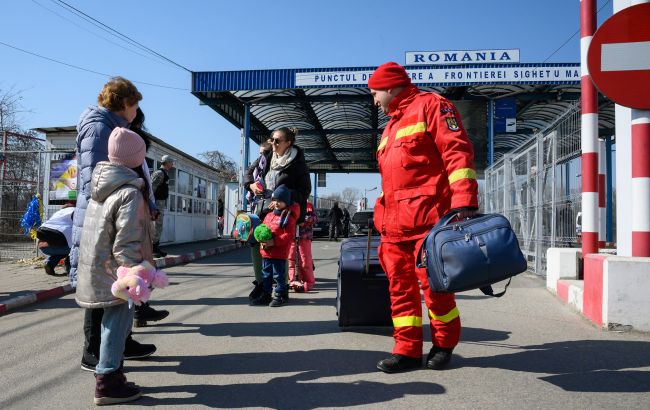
x=282 y=222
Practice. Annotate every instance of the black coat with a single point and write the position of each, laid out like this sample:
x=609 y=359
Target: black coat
x=295 y=176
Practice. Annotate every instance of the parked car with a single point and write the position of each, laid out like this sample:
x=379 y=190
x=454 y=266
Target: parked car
x=359 y=222
x=322 y=226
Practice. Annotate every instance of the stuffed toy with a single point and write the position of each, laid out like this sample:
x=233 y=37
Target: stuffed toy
x=134 y=283
x=263 y=233
x=153 y=277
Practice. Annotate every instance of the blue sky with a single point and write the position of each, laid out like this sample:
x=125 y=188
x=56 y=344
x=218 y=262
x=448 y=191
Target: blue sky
x=238 y=35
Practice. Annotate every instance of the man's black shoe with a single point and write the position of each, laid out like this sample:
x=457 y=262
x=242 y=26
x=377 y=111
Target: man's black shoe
x=49 y=269
x=263 y=299
x=135 y=350
x=438 y=358
x=144 y=313
x=157 y=252
x=256 y=292
x=89 y=362
x=399 y=363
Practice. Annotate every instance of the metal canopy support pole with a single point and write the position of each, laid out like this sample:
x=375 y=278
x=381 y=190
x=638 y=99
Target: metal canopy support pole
x=490 y=132
x=609 y=197
x=315 y=189
x=247 y=136
x=539 y=202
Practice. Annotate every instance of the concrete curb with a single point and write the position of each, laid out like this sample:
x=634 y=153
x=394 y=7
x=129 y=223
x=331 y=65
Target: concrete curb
x=41 y=295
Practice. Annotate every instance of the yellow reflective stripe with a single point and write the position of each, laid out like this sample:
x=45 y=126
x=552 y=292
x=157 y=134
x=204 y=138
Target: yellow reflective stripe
x=453 y=314
x=462 y=173
x=383 y=143
x=411 y=129
x=405 y=321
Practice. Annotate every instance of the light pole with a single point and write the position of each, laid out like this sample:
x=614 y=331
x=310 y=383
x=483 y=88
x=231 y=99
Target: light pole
x=365 y=198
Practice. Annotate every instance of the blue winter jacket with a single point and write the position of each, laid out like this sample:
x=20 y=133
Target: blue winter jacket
x=93 y=130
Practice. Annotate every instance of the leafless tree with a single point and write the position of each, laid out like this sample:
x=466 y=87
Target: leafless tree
x=350 y=195
x=226 y=167
x=10 y=107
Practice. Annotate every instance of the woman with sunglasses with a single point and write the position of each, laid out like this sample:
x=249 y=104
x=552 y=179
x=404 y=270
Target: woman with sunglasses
x=285 y=165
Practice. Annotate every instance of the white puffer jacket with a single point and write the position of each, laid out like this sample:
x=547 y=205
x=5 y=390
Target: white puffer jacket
x=116 y=232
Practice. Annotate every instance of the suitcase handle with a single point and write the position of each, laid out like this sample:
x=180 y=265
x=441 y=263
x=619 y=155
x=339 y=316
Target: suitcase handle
x=371 y=225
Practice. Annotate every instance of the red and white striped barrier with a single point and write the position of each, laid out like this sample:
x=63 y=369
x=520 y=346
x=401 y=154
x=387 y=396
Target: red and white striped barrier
x=589 y=133
x=161 y=263
x=640 y=183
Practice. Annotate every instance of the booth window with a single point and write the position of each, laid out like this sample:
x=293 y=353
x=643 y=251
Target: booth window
x=150 y=164
x=199 y=187
x=172 y=203
x=172 y=179
x=184 y=183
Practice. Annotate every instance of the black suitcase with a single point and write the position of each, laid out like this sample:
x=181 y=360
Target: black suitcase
x=362 y=297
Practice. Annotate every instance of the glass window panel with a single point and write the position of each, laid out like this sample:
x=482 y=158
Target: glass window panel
x=172 y=179
x=199 y=187
x=150 y=164
x=184 y=181
x=172 y=203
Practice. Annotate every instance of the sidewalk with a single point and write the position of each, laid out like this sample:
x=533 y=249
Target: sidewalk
x=24 y=283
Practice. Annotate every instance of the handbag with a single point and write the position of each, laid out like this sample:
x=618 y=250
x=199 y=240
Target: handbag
x=471 y=254
x=261 y=206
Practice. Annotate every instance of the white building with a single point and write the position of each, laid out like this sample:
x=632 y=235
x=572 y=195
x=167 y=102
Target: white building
x=191 y=213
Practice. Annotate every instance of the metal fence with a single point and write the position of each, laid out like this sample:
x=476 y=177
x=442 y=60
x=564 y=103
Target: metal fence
x=538 y=188
x=23 y=173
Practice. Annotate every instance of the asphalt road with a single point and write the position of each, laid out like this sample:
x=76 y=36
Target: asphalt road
x=525 y=350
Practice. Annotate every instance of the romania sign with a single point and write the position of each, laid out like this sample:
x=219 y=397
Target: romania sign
x=462 y=57
x=619 y=57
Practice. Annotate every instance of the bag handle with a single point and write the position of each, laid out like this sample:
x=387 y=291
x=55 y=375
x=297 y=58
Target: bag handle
x=441 y=222
x=488 y=291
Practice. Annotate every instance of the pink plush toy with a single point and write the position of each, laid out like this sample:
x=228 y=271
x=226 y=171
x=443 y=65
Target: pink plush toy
x=133 y=284
x=153 y=277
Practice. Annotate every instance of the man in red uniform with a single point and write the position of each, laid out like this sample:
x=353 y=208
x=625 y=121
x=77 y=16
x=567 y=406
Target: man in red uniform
x=426 y=163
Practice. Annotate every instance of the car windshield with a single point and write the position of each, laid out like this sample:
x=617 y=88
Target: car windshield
x=322 y=213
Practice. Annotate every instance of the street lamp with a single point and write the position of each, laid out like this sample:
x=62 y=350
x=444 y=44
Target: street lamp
x=365 y=198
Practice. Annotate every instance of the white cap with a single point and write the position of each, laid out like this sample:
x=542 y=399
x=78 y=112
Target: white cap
x=167 y=158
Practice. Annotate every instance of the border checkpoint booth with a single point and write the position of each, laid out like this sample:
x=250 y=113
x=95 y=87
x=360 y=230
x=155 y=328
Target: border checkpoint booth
x=191 y=213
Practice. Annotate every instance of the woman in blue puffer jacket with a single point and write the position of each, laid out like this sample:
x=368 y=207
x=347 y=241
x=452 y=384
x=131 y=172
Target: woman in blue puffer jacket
x=117 y=107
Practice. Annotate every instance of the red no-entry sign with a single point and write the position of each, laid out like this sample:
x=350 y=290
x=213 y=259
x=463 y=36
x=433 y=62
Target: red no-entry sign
x=619 y=57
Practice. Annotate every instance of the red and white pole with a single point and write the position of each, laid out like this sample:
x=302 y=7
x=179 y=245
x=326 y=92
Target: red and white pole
x=640 y=183
x=589 y=136
x=602 y=200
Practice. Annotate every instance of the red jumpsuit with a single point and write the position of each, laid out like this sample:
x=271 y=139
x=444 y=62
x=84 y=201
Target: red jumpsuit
x=426 y=162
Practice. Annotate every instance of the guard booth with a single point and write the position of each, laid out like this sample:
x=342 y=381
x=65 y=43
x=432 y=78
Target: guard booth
x=191 y=213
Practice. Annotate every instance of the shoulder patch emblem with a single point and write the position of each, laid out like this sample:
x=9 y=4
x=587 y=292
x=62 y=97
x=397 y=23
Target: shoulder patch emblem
x=452 y=124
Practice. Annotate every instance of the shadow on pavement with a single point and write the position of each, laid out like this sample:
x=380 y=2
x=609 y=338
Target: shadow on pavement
x=258 y=329
x=243 y=300
x=580 y=365
x=295 y=391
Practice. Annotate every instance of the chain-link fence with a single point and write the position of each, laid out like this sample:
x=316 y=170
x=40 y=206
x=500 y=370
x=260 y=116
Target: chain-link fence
x=538 y=188
x=26 y=169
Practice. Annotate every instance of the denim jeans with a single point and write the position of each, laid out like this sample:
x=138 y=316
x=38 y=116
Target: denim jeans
x=116 y=324
x=276 y=268
x=55 y=254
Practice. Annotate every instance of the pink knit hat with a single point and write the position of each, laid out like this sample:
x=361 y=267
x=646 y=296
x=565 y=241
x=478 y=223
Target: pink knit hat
x=125 y=147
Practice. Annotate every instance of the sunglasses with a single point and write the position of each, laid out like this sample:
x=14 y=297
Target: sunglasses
x=277 y=141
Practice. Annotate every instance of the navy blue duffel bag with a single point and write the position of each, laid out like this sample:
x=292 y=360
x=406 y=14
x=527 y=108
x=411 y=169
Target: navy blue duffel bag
x=471 y=254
